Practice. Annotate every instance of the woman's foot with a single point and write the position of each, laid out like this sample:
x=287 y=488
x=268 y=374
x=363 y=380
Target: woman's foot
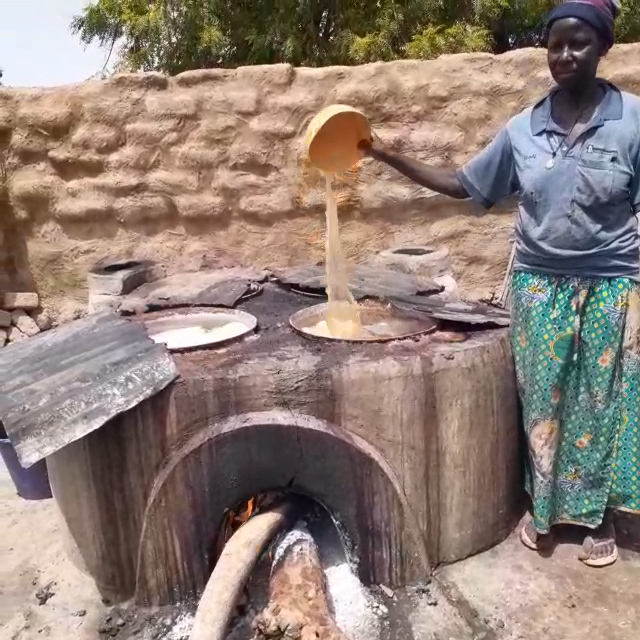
x=599 y=549
x=530 y=537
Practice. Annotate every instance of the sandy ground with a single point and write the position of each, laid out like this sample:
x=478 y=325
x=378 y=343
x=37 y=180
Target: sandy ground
x=504 y=594
x=31 y=549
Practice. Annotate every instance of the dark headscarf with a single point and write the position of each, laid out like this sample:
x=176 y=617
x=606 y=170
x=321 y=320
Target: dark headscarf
x=599 y=14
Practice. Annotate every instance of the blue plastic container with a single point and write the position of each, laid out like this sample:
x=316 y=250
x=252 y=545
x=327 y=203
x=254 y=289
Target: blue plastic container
x=31 y=483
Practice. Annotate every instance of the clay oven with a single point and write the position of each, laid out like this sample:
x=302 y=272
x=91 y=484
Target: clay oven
x=411 y=446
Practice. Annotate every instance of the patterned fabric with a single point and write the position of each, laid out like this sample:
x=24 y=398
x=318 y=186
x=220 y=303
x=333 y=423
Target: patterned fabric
x=577 y=354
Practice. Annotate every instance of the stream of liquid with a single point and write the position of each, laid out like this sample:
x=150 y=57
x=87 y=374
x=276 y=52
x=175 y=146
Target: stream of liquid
x=343 y=317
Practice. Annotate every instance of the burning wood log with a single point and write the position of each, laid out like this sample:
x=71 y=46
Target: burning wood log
x=298 y=607
x=237 y=561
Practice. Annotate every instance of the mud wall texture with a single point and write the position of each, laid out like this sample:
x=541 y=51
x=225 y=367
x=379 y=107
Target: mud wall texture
x=206 y=168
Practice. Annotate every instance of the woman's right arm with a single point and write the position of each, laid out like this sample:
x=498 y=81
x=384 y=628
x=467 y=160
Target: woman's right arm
x=443 y=181
x=487 y=178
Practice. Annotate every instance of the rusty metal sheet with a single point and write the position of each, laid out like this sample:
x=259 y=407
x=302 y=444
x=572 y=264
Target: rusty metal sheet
x=213 y=288
x=63 y=384
x=365 y=281
x=461 y=312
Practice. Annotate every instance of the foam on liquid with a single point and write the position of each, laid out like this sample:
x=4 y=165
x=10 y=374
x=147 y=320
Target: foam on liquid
x=343 y=318
x=187 y=336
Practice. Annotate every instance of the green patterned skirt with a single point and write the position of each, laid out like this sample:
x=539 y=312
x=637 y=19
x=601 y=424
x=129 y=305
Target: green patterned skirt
x=577 y=356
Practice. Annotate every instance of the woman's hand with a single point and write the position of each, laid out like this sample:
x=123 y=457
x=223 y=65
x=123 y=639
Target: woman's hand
x=365 y=146
x=371 y=147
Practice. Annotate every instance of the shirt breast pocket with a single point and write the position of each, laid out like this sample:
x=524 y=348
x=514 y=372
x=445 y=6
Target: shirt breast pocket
x=600 y=182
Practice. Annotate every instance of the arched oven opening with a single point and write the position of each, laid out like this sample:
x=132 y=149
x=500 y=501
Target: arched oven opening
x=304 y=582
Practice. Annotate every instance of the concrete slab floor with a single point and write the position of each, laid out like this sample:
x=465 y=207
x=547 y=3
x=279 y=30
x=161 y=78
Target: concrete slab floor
x=512 y=593
x=508 y=593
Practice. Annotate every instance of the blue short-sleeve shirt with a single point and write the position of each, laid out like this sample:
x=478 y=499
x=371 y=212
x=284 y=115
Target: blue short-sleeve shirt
x=576 y=213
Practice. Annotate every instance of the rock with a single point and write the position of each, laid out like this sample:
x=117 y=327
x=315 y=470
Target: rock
x=483 y=295
x=25 y=323
x=45 y=594
x=108 y=627
x=3 y=337
x=5 y=319
x=451 y=291
x=387 y=592
x=22 y=300
x=15 y=335
x=43 y=319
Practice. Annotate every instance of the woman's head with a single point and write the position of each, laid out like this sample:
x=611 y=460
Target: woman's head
x=580 y=32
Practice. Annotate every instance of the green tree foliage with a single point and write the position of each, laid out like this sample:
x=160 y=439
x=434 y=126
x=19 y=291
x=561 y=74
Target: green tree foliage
x=176 y=35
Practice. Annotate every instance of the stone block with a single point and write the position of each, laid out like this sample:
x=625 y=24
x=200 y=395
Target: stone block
x=279 y=204
x=110 y=108
x=195 y=156
x=172 y=182
x=31 y=191
x=141 y=207
x=133 y=157
x=244 y=101
x=118 y=278
x=172 y=105
x=71 y=163
x=215 y=130
x=5 y=319
x=87 y=206
x=24 y=322
x=147 y=132
x=271 y=75
x=202 y=76
x=200 y=206
x=51 y=113
x=21 y=300
x=147 y=81
x=15 y=335
x=43 y=319
x=99 y=303
x=115 y=183
x=97 y=136
x=29 y=148
x=272 y=125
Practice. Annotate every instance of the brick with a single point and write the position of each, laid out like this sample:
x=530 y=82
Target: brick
x=24 y=323
x=27 y=300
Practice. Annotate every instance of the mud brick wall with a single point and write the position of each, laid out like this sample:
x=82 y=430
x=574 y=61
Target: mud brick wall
x=206 y=167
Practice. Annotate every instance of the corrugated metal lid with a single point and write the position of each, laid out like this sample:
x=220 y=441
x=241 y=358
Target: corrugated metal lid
x=63 y=384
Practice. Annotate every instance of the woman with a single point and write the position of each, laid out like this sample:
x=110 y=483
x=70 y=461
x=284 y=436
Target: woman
x=574 y=161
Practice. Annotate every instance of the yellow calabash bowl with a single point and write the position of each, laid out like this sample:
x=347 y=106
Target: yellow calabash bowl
x=333 y=136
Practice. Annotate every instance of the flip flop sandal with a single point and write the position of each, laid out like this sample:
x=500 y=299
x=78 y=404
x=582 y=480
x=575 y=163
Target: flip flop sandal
x=605 y=561
x=526 y=539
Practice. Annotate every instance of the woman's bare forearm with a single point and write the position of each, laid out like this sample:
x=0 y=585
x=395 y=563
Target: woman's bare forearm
x=443 y=181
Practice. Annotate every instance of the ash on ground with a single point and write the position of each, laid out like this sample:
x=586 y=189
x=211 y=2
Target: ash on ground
x=132 y=623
